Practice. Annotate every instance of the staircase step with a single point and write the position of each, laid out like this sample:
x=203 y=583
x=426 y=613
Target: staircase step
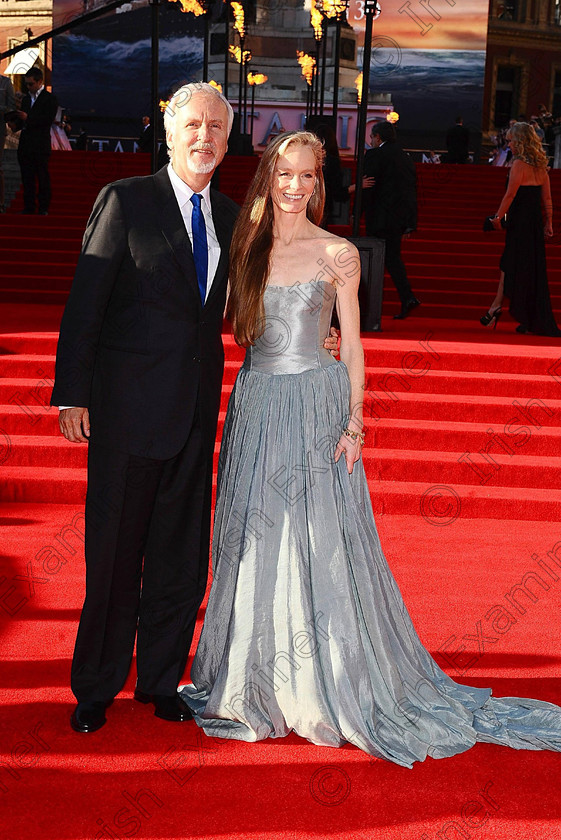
x=62 y=485
x=451 y=468
x=21 y=419
x=442 y=505
x=506 y=411
x=45 y=452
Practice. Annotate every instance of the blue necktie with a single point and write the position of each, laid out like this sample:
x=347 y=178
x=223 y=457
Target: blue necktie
x=200 y=244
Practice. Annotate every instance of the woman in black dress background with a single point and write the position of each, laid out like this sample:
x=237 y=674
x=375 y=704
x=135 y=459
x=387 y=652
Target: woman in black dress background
x=523 y=266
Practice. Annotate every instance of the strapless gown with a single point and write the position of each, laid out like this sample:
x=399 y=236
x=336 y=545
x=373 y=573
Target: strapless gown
x=305 y=628
x=524 y=264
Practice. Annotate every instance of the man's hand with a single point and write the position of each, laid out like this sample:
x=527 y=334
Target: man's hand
x=75 y=424
x=331 y=343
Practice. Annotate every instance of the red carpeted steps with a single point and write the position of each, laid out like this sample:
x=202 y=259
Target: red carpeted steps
x=452 y=264
x=479 y=420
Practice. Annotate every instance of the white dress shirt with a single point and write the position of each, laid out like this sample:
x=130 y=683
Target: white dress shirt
x=183 y=195
x=34 y=96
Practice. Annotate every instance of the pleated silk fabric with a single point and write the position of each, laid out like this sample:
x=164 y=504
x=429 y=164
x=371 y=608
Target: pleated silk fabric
x=305 y=628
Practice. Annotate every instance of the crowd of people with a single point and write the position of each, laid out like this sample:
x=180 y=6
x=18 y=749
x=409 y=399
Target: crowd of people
x=543 y=124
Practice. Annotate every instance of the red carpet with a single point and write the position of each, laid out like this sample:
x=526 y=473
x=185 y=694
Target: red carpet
x=463 y=459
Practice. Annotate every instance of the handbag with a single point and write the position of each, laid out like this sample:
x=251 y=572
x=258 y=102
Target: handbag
x=488 y=223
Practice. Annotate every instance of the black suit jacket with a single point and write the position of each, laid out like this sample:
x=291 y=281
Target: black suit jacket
x=457 y=142
x=137 y=347
x=390 y=206
x=145 y=139
x=35 y=138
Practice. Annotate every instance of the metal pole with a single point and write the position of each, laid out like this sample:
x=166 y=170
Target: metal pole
x=363 y=113
x=315 y=80
x=245 y=97
x=240 y=89
x=227 y=48
x=252 y=112
x=336 y=72
x=323 y=64
x=155 y=119
x=206 y=45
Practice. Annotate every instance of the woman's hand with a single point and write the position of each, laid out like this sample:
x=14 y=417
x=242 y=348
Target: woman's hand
x=548 y=228
x=496 y=222
x=367 y=183
x=331 y=343
x=350 y=449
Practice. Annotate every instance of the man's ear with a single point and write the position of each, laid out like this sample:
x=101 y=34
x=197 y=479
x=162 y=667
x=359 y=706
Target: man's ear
x=169 y=138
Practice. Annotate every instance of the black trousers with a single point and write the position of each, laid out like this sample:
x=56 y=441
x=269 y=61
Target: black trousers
x=35 y=177
x=396 y=266
x=147 y=552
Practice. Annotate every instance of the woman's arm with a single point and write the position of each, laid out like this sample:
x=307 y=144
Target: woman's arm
x=351 y=352
x=514 y=181
x=547 y=206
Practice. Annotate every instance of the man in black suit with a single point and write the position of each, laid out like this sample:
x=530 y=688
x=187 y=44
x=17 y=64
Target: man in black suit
x=144 y=141
x=140 y=353
x=457 y=143
x=7 y=105
x=38 y=110
x=390 y=206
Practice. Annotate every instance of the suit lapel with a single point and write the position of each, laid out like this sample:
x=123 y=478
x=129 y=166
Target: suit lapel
x=223 y=234
x=173 y=228
x=37 y=98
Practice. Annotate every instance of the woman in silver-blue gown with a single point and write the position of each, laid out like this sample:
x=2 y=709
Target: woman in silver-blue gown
x=305 y=628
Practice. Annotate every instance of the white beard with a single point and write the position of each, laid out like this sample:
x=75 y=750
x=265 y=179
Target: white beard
x=199 y=167
x=202 y=168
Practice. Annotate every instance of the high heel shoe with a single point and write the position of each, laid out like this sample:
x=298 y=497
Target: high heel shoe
x=491 y=317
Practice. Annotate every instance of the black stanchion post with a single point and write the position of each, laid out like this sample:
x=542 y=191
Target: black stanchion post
x=252 y=111
x=370 y=8
x=155 y=59
x=323 y=65
x=245 y=63
x=226 y=48
x=340 y=15
x=206 y=45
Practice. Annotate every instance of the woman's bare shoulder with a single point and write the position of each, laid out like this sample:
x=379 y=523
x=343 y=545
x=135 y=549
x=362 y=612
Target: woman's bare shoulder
x=332 y=244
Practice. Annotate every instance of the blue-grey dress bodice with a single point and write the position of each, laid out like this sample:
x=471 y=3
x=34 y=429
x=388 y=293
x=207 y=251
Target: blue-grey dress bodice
x=297 y=318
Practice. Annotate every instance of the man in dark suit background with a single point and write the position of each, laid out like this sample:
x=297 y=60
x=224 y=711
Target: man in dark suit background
x=144 y=141
x=140 y=358
x=38 y=110
x=457 y=143
x=390 y=206
x=7 y=104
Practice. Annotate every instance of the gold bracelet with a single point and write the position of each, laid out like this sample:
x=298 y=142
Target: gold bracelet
x=354 y=435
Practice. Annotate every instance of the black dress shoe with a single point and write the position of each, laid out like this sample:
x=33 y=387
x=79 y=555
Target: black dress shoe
x=406 y=308
x=88 y=717
x=43 y=213
x=166 y=707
